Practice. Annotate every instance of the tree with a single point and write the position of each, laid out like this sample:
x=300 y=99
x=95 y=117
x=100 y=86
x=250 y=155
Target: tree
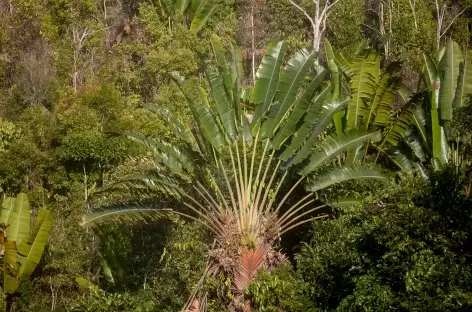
x=318 y=20
x=395 y=251
x=251 y=156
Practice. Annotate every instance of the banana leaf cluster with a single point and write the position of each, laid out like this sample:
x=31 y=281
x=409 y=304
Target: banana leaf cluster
x=22 y=248
x=257 y=139
x=196 y=12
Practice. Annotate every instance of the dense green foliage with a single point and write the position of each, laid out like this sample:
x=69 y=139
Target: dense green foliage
x=405 y=250
x=77 y=75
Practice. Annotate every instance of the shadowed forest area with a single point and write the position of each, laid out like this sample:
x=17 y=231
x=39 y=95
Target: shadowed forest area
x=235 y=155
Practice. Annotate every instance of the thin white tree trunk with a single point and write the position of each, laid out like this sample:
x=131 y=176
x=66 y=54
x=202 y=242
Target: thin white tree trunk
x=253 y=43
x=318 y=20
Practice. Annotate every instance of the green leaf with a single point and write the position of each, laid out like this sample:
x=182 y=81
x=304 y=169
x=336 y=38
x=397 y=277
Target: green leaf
x=342 y=174
x=223 y=67
x=384 y=98
x=338 y=145
x=7 y=207
x=198 y=103
x=236 y=76
x=223 y=102
x=290 y=82
x=430 y=71
x=202 y=15
x=177 y=126
x=440 y=148
x=451 y=65
x=464 y=87
x=267 y=78
x=301 y=107
x=124 y=214
x=165 y=153
x=310 y=120
x=364 y=72
x=181 y=5
x=106 y=269
x=18 y=226
x=31 y=250
x=322 y=121
x=419 y=121
x=10 y=280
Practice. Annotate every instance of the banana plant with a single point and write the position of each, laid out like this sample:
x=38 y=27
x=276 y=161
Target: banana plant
x=446 y=84
x=234 y=170
x=22 y=248
x=447 y=77
x=373 y=105
x=196 y=12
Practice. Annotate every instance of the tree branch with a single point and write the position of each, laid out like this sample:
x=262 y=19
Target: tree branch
x=452 y=22
x=333 y=4
x=304 y=12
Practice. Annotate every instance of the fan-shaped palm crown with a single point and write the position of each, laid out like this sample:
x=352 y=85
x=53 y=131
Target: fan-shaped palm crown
x=252 y=153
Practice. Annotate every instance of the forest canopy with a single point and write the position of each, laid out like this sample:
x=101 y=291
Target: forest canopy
x=235 y=155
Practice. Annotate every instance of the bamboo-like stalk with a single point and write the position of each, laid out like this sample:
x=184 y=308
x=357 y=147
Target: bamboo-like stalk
x=284 y=199
x=203 y=208
x=259 y=183
x=296 y=205
x=289 y=220
x=238 y=189
x=217 y=225
x=199 y=221
x=266 y=193
x=209 y=202
x=300 y=223
x=230 y=189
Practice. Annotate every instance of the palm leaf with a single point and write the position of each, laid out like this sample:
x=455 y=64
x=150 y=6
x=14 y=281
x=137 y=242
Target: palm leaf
x=451 y=65
x=414 y=142
x=31 y=250
x=181 y=5
x=342 y=174
x=165 y=153
x=10 y=280
x=399 y=159
x=224 y=103
x=106 y=269
x=124 y=214
x=364 y=73
x=267 y=78
x=144 y=182
x=401 y=121
x=177 y=126
x=315 y=128
x=7 y=206
x=19 y=220
x=338 y=145
x=204 y=12
x=223 y=67
x=301 y=106
x=198 y=103
x=289 y=84
x=464 y=87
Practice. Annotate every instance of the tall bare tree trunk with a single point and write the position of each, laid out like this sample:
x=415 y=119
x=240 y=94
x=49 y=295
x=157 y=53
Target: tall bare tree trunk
x=318 y=19
x=253 y=43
